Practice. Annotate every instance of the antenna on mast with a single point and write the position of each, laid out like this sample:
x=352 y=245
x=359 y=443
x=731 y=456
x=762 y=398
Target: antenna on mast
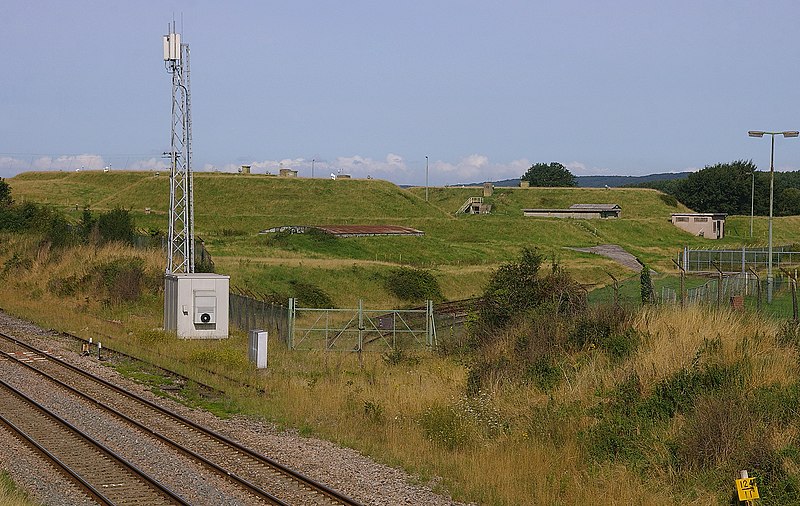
x=180 y=248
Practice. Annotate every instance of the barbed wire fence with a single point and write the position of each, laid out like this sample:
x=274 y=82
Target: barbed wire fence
x=250 y=310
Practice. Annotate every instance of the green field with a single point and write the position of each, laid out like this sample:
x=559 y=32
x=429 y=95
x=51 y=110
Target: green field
x=662 y=407
x=461 y=250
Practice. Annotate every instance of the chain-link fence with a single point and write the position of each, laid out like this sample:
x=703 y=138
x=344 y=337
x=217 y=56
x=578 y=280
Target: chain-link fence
x=248 y=311
x=736 y=260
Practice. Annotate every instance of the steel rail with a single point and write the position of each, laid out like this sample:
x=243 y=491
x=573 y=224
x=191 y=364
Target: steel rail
x=122 y=465
x=301 y=479
x=261 y=493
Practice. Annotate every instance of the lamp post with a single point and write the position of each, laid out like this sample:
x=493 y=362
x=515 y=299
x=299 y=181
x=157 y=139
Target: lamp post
x=752 y=200
x=426 y=178
x=759 y=133
x=312 y=177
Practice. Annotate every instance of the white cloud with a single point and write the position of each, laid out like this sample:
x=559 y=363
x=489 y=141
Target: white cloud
x=473 y=168
x=149 y=164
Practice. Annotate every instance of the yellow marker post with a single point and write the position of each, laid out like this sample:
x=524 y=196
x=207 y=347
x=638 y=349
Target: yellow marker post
x=747 y=489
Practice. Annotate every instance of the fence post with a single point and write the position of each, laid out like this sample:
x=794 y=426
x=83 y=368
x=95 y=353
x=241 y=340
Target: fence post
x=719 y=284
x=758 y=288
x=793 y=288
x=361 y=333
x=290 y=336
x=683 y=276
x=686 y=258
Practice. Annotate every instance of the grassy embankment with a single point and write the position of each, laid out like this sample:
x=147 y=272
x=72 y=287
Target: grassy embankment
x=733 y=376
x=461 y=251
x=524 y=444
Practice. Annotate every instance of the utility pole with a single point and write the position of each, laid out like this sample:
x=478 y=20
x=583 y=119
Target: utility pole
x=426 y=178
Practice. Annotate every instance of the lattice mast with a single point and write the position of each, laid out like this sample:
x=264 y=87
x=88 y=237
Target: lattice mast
x=180 y=247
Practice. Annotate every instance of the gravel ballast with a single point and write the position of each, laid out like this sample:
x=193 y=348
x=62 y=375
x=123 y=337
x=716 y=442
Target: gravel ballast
x=343 y=469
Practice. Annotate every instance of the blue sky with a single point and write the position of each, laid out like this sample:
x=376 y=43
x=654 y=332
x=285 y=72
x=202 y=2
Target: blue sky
x=483 y=89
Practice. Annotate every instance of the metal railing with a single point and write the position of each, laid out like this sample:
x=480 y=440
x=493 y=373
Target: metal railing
x=359 y=329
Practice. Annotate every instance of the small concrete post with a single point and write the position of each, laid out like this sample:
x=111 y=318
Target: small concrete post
x=99 y=347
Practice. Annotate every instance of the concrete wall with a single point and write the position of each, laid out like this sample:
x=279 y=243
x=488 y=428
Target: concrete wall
x=708 y=226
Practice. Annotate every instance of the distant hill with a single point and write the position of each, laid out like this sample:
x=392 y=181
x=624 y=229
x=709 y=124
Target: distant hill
x=603 y=181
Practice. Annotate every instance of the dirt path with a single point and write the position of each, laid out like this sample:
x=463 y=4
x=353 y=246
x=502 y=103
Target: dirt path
x=614 y=252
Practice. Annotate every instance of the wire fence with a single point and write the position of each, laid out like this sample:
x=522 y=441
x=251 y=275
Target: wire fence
x=249 y=311
x=737 y=260
x=742 y=291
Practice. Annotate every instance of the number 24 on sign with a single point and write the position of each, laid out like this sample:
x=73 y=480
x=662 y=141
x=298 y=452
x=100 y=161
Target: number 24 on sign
x=747 y=489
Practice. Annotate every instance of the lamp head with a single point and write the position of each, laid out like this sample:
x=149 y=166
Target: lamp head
x=756 y=133
x=792 y=133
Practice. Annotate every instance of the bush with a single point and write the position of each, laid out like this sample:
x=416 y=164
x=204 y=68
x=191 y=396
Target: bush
x=116 y=225
x=413 y=285
x=668 y=199
x=5 y=194
x=606 y=327
x=121 y=280
x=517 y=288
x=309 y=295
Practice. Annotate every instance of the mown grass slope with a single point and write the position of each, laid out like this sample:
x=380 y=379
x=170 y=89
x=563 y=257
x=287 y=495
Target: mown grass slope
x=230 y=210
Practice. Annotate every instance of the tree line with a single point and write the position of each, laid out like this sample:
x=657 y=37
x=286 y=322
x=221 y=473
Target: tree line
x=729 y=188
x=719 y=188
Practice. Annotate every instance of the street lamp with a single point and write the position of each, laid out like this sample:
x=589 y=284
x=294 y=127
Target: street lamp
x=759 y=133
x=752 y=200
x=426 y=178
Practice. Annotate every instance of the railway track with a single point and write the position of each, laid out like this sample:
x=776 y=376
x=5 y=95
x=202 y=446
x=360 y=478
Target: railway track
x=104 y=475
x=263 y=478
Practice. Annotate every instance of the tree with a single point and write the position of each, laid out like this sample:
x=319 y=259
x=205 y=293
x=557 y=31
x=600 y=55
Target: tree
x=5 y=194
x=552 y=174
x=790 y=202
x=646 y=285
x=116 y=225
x=720 y=188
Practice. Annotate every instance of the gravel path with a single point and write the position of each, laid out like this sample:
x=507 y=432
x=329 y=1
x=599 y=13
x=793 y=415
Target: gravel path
x=614 y=252
x=340 y=468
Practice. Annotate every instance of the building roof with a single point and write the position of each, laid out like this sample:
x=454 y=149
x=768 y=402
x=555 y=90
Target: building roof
x=596 y=207
x=700 y=214
x=349 y=230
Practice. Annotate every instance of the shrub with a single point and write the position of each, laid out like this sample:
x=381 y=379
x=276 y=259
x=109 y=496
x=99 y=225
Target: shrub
x=121 y=280
x=516 y=288
x=413 y=285
x=668 y=199
x=5 y=194
x=310 y=295
x=605 y=327
x=399 y=355
x=116 y=225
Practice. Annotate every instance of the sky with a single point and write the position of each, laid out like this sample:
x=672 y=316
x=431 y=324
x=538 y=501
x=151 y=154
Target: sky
x=371 y=88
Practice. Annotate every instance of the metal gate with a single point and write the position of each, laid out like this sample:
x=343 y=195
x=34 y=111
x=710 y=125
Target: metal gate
x=360 y=329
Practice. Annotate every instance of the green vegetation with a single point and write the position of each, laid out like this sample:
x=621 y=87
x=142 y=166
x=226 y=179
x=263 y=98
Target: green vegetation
x=10 y=494
x=549 y=175
x=732 y=187
x=559 y=397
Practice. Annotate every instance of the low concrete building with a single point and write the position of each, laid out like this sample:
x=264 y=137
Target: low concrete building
x=708 y=225
x=287 y=173
x=581 y=211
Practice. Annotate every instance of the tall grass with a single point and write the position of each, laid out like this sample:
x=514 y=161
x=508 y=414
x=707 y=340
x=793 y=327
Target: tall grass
x=515 y=443
x=11 y=495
